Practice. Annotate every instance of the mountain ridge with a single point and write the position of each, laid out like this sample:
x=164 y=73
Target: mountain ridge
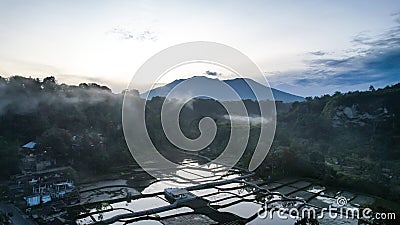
x=239 y=85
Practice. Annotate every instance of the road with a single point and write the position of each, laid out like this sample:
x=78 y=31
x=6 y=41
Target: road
x=18 y=217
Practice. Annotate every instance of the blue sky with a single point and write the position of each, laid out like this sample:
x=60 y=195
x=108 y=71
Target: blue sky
x=308 y=48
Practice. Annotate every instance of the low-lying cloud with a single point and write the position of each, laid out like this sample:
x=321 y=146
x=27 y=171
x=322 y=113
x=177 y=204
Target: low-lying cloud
x=246 y=119
x=26 y=100
x=211 y=73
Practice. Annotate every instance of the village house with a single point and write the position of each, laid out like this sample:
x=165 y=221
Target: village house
x=35 y=159
x=178 y=194
x=43 y=192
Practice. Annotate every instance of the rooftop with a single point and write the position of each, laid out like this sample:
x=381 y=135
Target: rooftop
x=30 y=145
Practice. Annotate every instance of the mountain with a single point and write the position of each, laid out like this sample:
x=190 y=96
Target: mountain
x=215 y=87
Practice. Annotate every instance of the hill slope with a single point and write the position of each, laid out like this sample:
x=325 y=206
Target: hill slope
x=215 y=86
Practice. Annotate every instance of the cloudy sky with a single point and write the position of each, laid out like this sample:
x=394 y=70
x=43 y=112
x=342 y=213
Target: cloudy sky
x=308 y=48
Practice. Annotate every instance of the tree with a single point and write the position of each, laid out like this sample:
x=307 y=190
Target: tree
x=49 y=84
x=49 y=80
x=371 y=88
x=317 y=157
x=8 y=159
x=57 y=141
x=337 y=93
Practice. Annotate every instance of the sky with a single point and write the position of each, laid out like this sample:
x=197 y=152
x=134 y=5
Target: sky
x=308 y=48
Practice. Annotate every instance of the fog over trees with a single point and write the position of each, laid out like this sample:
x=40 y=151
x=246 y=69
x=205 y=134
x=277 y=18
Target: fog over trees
x=347 y=139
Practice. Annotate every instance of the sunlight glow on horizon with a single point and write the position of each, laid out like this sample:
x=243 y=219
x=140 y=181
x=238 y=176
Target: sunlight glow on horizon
x=106 y=42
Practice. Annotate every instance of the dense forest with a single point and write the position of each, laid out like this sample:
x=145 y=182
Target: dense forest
x=347 y=139
x=78 y=125
x=350 y=140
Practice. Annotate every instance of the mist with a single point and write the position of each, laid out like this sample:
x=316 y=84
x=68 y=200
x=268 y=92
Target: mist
x=26 y=95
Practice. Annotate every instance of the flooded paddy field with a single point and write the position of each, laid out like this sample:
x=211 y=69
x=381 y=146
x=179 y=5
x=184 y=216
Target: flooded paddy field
x=220 y=196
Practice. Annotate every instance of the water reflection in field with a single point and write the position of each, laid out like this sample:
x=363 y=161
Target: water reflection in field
x=239 y=199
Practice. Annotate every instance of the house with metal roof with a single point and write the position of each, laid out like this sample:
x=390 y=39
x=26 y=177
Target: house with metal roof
x=30 y=145
x=178 y=194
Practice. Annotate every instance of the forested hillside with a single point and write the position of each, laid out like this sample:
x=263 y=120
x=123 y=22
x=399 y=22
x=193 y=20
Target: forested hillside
x=78 y=125
x=351 y=140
